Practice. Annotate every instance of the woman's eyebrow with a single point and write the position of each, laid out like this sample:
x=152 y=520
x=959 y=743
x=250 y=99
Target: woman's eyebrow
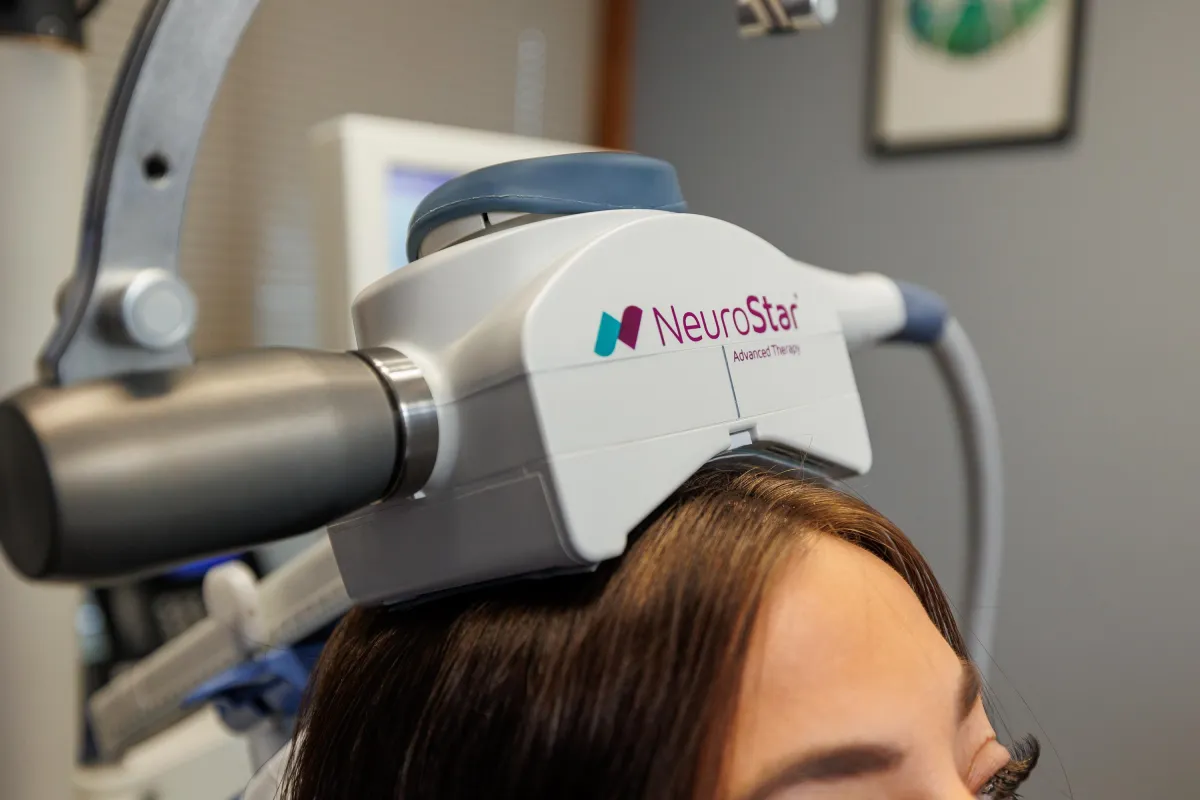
x=854 y=761
x=850 y=761
x=969 y=689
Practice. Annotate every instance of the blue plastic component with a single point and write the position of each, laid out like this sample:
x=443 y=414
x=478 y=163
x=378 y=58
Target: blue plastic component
x=197 y=569
x=925 y=314
x=270 y=685
x=566 y=184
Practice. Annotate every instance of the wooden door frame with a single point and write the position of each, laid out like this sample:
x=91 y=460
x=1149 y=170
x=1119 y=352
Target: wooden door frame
x=614 y=100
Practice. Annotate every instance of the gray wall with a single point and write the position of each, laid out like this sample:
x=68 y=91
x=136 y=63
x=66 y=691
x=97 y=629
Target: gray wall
x=1075 y=271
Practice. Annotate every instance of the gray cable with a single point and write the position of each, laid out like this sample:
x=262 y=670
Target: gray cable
x=963 y=373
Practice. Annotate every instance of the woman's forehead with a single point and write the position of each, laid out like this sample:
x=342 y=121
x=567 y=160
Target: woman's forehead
x=842 y=650
x=837 y=602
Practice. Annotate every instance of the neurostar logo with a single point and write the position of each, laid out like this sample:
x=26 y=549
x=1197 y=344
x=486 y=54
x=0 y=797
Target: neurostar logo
x=756 y=315
x=613 y=330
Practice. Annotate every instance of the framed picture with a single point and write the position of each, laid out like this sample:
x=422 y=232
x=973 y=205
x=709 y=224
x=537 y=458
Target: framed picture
x=967 y=74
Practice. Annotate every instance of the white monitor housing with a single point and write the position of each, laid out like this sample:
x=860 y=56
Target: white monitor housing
x=369 y=175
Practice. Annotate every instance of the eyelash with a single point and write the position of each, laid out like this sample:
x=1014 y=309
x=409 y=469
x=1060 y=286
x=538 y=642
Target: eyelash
x=1004 y=784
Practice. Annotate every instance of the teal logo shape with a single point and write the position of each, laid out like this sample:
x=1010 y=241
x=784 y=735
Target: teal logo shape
x=613 y=330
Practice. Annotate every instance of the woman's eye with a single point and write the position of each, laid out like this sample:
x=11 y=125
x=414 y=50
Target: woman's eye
x=1003 y=785
x=987 y=792
x=987 y=765
x=990 y=790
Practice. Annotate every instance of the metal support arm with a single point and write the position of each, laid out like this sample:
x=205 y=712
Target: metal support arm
x=126 y=309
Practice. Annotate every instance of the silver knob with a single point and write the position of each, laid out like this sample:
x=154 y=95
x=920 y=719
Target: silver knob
x=157 y=311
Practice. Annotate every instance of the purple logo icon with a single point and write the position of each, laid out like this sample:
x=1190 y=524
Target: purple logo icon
x=624 y=330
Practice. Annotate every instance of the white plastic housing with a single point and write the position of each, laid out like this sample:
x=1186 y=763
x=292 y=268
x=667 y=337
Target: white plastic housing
x=550 y=453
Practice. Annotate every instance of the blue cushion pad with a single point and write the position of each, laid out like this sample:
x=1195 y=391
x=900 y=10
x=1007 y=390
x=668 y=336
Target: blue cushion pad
x=566 y=184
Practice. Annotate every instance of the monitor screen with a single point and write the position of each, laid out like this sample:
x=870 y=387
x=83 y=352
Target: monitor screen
x=406 y=188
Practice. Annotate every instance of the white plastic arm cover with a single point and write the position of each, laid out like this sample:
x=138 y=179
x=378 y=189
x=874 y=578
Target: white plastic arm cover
x=300 y=598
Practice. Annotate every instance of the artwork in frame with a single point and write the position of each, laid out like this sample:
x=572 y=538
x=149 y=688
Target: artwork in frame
x=966 y=74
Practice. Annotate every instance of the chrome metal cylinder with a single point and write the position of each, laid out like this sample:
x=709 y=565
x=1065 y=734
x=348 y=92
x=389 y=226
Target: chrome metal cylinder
x=416 y=418
x=114 y=477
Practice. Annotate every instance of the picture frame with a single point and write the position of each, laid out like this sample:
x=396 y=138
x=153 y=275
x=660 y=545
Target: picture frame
x=934 y=92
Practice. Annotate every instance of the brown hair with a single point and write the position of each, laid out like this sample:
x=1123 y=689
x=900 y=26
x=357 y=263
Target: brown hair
x=616 y=684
